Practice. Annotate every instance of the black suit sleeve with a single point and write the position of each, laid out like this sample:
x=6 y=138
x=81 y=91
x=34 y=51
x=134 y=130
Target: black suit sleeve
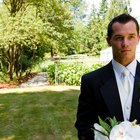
x=86 y=112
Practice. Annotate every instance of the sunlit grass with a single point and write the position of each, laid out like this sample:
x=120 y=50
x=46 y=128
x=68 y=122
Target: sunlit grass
x=47 y=115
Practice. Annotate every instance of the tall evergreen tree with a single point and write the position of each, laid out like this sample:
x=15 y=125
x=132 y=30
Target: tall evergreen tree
x=99 y=20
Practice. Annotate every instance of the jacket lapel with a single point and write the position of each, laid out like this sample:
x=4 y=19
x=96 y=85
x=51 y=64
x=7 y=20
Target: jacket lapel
x=111 y=97
x=110 y=94
x=135 y=110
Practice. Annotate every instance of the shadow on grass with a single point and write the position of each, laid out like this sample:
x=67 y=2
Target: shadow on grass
x=44 y=115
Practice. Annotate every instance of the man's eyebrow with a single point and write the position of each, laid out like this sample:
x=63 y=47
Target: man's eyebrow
x=132 y=34
x=119 y=35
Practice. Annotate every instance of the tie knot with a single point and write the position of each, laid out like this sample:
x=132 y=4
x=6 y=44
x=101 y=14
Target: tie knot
x=126 y=72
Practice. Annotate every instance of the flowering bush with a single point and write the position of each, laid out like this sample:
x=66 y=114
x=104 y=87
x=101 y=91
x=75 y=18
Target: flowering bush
x=117 y=131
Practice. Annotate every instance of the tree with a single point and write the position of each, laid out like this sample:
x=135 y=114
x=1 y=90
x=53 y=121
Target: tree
x=96 y=29
x=16 y=6
x=31 y=29
x=117 y=7
x=59 y=23
x=21 y=42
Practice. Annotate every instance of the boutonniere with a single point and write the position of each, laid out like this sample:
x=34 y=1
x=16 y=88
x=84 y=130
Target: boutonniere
x=115 y=130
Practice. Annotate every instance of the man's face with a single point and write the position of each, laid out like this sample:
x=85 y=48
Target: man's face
x=124 y=41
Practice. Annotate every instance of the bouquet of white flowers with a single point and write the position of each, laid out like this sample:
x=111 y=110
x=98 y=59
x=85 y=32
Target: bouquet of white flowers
x=116 y=130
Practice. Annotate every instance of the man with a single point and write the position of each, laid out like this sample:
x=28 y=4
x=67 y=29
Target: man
x=102 y=91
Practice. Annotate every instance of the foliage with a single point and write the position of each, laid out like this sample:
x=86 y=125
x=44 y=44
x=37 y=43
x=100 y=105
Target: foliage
x=69 y=74
x=16 y=6
x=80 y=37
x=41 y=65
x=59 y=18
x=106 y=126
x=97 y=28
x=21 y=43
x=3 y=77
x=51 y=72
x=30 y=28
x=38 y=114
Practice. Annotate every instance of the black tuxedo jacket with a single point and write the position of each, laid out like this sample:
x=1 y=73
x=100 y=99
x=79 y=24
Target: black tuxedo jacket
x=100 y=97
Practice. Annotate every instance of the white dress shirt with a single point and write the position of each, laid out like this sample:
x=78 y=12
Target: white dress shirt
x=126 y=99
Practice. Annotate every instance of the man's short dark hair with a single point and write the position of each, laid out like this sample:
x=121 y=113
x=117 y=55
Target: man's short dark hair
x=123 y=18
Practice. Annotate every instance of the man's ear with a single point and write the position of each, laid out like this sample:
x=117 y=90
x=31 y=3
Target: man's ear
x=139 y=37
x=108 y=41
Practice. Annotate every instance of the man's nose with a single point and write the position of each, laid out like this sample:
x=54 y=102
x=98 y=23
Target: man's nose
x=125 y=42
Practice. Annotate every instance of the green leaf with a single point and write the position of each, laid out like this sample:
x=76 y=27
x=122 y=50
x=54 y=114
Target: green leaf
x=106 y=126
x=113 y=122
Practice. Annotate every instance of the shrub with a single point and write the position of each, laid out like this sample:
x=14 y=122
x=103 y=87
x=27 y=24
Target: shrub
x=69 y=74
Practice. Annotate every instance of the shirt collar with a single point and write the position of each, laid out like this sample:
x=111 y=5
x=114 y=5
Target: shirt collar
x=119 y=67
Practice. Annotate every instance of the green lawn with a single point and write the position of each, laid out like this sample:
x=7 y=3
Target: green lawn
x=46 y=115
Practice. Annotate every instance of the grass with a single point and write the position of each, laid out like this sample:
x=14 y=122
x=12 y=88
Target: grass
x=44 y=115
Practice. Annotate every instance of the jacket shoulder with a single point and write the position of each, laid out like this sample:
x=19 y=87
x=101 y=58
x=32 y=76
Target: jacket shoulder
x=103 y=71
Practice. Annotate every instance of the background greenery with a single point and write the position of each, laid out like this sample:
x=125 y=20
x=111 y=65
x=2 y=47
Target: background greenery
x=30 y=29
x=69 y=74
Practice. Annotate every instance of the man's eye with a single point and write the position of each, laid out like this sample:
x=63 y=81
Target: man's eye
x=131 y=37
x=119 y=38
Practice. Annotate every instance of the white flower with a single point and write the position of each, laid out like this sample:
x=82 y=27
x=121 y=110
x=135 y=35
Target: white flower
x=120 y=132
x=135 y=131
x=124 y=131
